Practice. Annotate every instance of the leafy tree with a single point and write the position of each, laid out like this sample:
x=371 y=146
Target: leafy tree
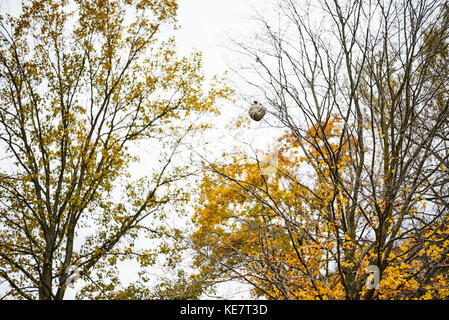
x=280 y=236
x=82 y=85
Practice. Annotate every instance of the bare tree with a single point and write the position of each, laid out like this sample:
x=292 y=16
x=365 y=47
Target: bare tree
x=378 y=71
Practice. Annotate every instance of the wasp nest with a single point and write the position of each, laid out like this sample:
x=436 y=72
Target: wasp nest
x=257 y=111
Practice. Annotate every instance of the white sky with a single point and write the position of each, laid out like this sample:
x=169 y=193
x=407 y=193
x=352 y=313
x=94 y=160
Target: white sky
x=205 y=26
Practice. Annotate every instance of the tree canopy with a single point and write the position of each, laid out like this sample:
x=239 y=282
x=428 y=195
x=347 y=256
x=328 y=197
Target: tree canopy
x=82 y=83
x=362 y=92
x=352 y=204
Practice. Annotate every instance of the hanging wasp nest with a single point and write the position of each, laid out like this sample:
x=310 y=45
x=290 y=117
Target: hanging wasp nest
x=257 y=111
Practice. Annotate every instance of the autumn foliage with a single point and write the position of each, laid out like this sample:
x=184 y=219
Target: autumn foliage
x=83 y=84
x=294 y=240
x=358 y=180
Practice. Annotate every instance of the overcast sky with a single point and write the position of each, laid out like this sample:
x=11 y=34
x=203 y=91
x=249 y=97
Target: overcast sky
x=206 y=25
